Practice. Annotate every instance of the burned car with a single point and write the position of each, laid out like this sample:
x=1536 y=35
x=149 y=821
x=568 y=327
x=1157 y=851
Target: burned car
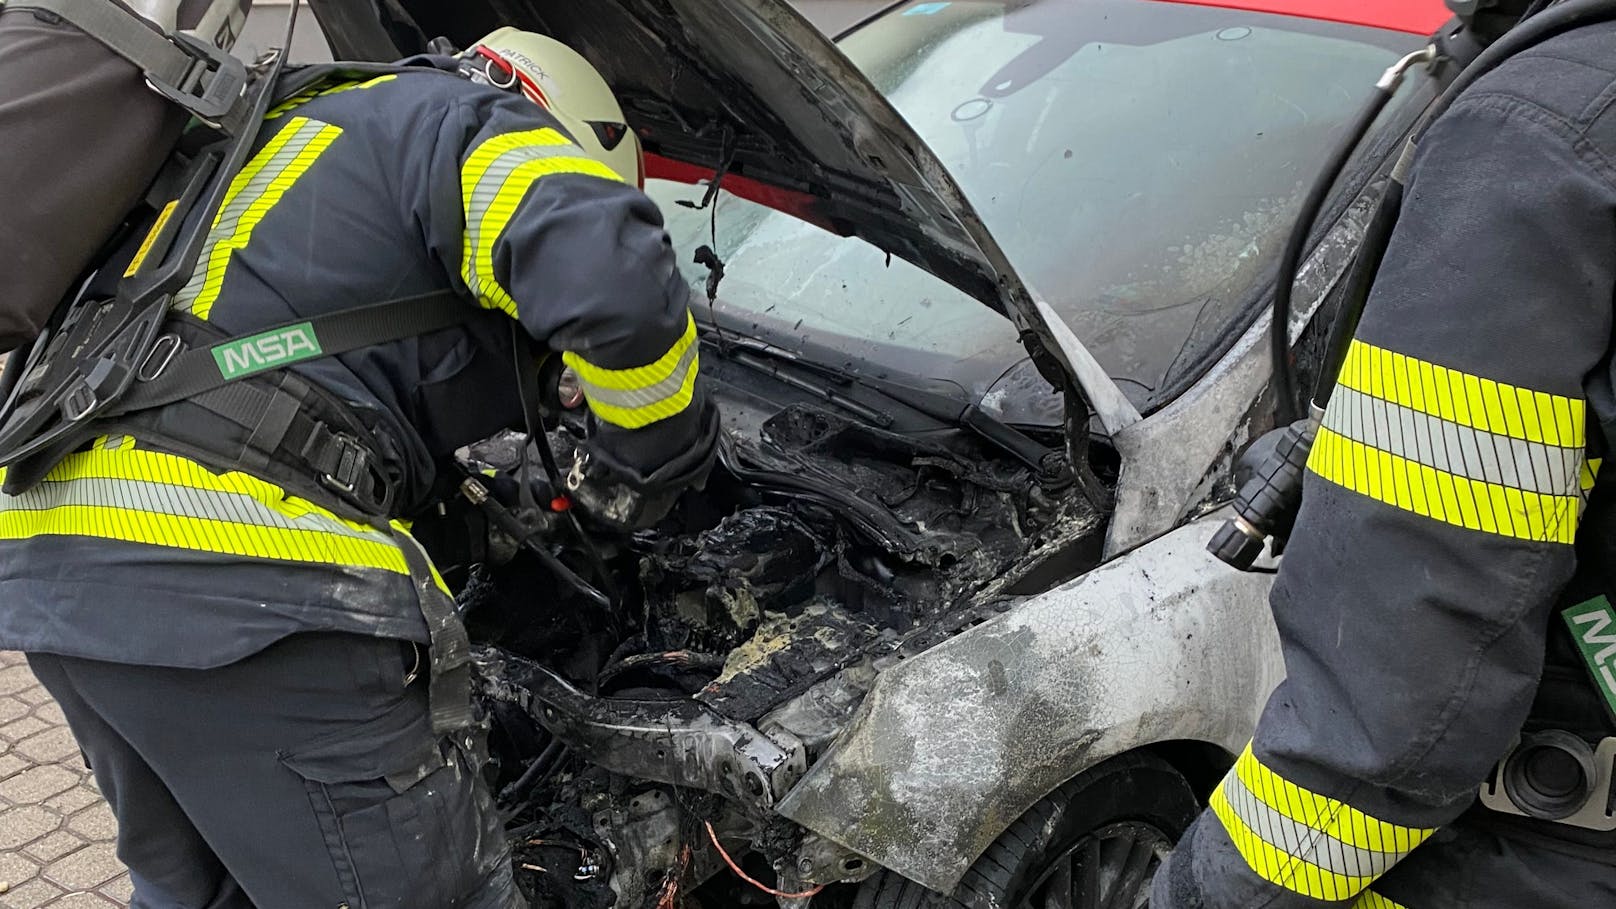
x=981 y=294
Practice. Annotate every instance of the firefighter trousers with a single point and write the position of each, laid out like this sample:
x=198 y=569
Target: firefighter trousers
x=303 y=777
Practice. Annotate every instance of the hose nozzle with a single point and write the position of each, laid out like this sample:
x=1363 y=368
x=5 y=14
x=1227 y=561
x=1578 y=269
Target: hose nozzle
x=1267 y=504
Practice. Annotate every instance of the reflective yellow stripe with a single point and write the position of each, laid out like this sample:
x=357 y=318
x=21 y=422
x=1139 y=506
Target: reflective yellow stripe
x=252 y=193
x=309 y=94
x=1455 y=448
x=641 y=395
x=493 y=182
x=151 y=237
x=1443 y=496
x=1373 y=900
x=1303 y=841
x=120 y=492
x=1467 y=400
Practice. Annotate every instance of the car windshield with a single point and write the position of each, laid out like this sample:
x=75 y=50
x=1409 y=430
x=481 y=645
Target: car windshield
x=1140 y=162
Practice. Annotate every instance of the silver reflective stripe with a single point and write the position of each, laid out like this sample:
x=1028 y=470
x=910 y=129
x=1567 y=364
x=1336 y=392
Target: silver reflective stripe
x=650 y=394
x=178 y=501
x=1453 y=448
x=1300 y=841
x=486 y=191
x=228 y=220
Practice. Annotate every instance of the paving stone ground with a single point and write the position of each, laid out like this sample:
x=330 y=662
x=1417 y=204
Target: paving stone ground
x=56 y=833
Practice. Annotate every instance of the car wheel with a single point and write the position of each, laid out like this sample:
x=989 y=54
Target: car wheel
x=1094 y=843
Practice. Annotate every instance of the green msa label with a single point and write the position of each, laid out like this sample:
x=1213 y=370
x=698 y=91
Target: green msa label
x=1593 y=624
x=268 y=350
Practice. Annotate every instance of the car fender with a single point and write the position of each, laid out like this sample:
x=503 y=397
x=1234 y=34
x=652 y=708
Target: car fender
x=952 y=745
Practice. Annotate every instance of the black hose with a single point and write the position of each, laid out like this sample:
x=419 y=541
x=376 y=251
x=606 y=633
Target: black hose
x=1290 y=260
x=1356 y=293
x=476 y=493
x=536 y=772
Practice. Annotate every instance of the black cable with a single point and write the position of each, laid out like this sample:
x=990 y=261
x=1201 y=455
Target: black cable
x=1290 y=261
x=536 y=772
x=527 y=375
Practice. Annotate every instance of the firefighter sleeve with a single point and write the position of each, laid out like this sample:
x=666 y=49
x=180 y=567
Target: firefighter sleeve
x=558 y=241
x=1442 y=497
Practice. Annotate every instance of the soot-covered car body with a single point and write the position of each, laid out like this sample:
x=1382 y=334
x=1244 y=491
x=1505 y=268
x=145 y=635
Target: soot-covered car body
x=947 y=562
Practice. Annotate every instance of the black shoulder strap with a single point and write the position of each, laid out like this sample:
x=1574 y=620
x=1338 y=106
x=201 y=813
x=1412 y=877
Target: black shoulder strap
x=298 y=79
x=170 y=375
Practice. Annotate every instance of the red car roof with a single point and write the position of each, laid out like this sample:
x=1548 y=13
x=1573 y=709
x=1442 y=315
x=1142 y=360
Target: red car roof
x=1420 y=17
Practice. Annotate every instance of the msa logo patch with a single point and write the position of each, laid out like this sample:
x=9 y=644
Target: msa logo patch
x=268 y=350
x=1593 y=624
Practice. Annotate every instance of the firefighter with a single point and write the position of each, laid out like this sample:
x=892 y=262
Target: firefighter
x=1453 y=531
x=270 y=690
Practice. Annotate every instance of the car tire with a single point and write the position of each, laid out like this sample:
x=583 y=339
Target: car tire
x=1122 y=814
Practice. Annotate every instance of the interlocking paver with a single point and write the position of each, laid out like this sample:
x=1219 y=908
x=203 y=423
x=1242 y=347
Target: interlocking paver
x=94 y=823
x=91 y=866
x=74 y=799
x=11 y=709
x=56 y=834
x=15 y=868
x=82 y=901
x=17 y=730
x=53 y=846
x=10 y=764
x=15 y=678
x=31 y=895
x=37 y=784
x=53 y=744
x=26 y=823
x=120 y=890
x=34 y=697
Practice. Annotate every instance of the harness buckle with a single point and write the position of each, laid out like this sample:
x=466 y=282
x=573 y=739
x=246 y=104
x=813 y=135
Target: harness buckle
x=92 y=388
x=79 y=402
x=352 y=465
x=162 y=353
x=346 y=466
x=215 y=82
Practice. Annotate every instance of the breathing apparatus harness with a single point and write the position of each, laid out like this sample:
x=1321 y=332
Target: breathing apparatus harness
x=1550 y=774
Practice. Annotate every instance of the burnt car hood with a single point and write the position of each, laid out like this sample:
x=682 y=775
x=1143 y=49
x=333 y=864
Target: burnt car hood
x=750 y=88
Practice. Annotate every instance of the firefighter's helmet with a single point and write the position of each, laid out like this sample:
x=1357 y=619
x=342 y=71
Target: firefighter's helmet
x=560 y=80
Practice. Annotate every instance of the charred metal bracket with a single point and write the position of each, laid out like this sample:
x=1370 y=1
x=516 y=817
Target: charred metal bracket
x=681 y=742
x=821 y=862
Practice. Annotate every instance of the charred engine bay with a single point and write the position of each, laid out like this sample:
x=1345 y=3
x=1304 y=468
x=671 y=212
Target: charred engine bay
x=820 y=549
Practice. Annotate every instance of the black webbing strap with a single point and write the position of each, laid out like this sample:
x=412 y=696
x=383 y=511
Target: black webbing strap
x=449 y=686
x=123 y=32
x=287 y=433
x=194 y=372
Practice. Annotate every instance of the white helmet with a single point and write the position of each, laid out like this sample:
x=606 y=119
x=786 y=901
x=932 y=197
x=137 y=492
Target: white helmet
x=560 y=80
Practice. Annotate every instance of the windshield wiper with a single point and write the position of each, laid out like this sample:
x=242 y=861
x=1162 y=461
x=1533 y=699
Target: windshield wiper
x=787 y=368
x=803 y=375
x=820 y=390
